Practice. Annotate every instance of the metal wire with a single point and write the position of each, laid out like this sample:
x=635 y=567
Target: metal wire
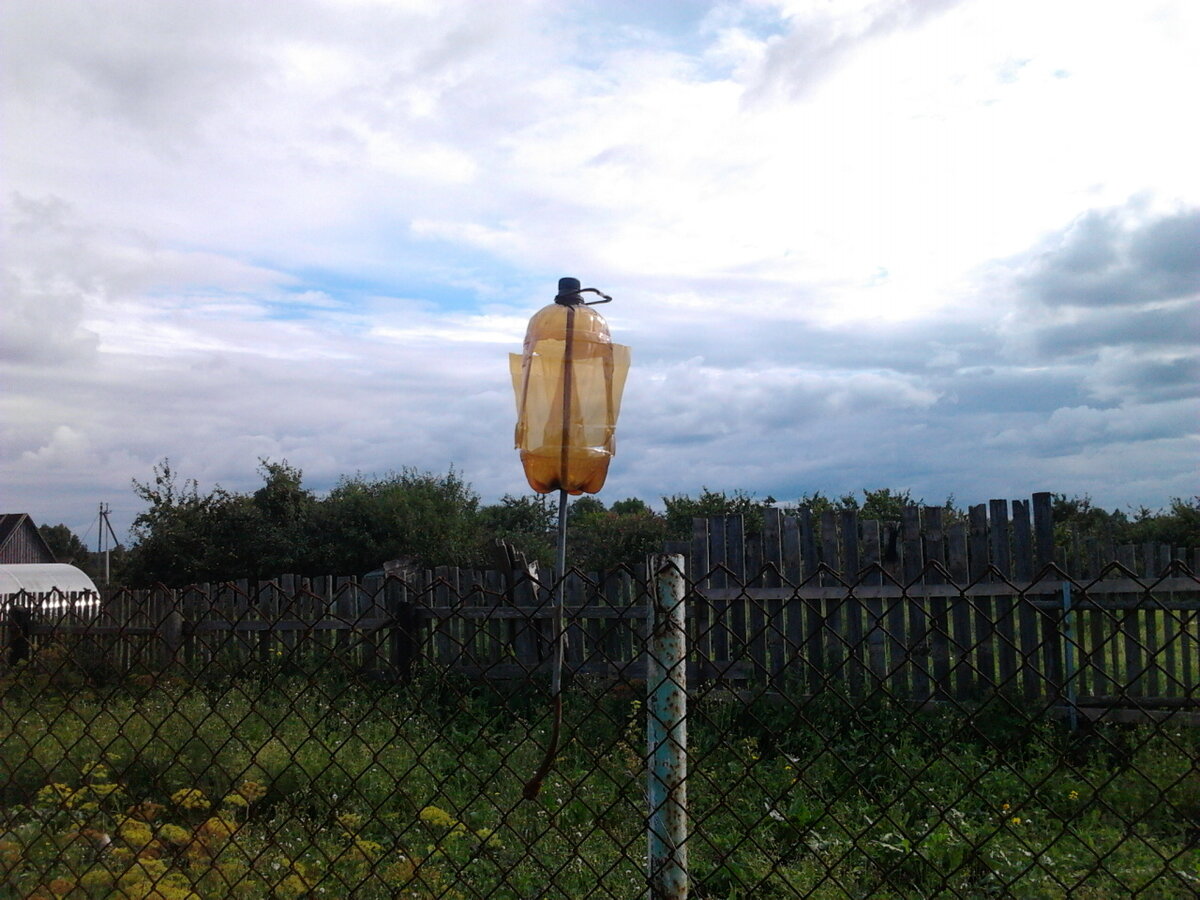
x=849 y=735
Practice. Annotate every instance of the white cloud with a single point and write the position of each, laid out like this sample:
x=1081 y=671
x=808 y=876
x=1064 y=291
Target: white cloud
x=313 y=230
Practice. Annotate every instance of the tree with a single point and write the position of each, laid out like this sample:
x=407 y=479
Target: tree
x=629 y=506
x=184 y=536
x=527 y=523
x=287 y=511
x=682 y=508
x=602 y=539
x=1078 y=516
x=68 y=548
x=1178 y=526
x=431 y=519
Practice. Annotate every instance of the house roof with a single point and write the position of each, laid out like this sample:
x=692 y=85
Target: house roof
x=10 y=524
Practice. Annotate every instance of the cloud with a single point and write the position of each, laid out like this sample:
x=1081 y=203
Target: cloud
x=1116 y=257
x=821 y=39
x=315 y=230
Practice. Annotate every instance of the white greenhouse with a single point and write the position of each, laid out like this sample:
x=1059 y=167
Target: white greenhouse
x=46 y=586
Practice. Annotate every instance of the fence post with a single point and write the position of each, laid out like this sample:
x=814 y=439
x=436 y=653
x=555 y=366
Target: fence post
x=168 y=621
x=20 y=621
x=1069 y=654
x=666 y=735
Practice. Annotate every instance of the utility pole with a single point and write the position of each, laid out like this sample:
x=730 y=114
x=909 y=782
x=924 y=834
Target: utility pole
x=103 y=539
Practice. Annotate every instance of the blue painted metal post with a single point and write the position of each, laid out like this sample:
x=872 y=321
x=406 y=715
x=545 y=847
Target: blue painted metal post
x=666 y=735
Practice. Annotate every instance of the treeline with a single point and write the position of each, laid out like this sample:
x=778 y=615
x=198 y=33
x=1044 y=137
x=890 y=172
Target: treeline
x=185 y=535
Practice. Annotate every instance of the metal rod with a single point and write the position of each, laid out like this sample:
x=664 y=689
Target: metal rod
x=534 y=785
x=1069 y=653
x=560 y=636
x=666 y=736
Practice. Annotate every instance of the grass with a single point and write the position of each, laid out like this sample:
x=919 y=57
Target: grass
x=292 y=784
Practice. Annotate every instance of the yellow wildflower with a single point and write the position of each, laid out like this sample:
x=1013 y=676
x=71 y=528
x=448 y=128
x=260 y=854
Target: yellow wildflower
x=1004 y=807
x=174 y=834
x=1074 y=795
x=291 y=887
x=369 y=849
x=136 y=834
x=56 y=794
x=399 y=873
x=235 y=799
x=94 y=879
x=190 y=798
x=144 y=870
x=217 y=828
x=1015 y=820
x=252 y=791
x=489 y=838
x=433 y=815
x=97 y=771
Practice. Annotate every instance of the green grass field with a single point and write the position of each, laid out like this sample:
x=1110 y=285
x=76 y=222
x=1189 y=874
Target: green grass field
x=291 y=785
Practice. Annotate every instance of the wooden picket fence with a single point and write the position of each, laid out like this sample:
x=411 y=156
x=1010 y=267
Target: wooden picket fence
x=923 y=610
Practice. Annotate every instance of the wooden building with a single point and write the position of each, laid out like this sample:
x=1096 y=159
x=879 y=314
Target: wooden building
x=21 y=542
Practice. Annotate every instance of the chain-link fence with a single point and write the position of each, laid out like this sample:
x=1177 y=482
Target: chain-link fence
x=845 y=738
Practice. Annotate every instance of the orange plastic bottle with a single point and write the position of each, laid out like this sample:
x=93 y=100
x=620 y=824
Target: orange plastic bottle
x=568 y=384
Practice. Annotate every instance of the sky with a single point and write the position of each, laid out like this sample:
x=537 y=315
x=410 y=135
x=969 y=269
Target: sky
x=944 y=246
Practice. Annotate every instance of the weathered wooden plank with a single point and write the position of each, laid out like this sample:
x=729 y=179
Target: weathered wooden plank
x=524 y=592
x=735 y=542
x=999 y=541
x=735 y=548
x=718 y=560
x=829 y=546
x=245 y=610
x=977 y=539
x=793 y=571
x=939 y=625
x=634 y=669
x=752 y=560
x=756 y=624
x=876 y=630
x=895 y=611
x=1023 y=563
x=718 y=609
x=956 y=553
x=1151 y=624
x=772 y=543
x=816 y=668
x=699 y=564
x=1170 y=652
x=1043 y=530
x=917 y=644
x=808 y=542
x=1130 y=628
x=850 y=557
x=577 y=644
x=1023 y=566
x=833 y=636
x=854 y=609
x=776 y=631
x=984 y=669
x=343 y=610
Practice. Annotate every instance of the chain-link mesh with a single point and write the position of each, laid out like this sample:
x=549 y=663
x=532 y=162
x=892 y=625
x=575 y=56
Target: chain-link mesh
x=847 y=738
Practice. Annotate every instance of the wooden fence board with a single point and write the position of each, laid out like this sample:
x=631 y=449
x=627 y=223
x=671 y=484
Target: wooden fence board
x=761 y=617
